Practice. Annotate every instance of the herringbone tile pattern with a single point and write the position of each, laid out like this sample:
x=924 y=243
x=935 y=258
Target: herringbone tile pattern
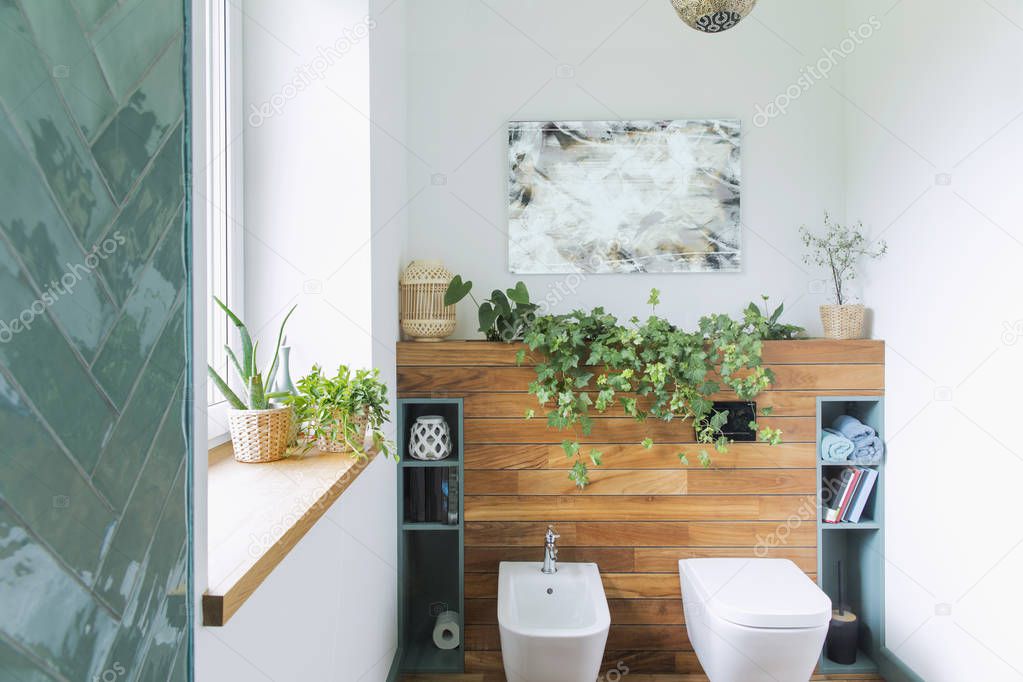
x=93 y=534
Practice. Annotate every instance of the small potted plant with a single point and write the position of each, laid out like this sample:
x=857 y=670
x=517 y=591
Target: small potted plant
x=505 y=316
x=838 y=250
x=340 y=413
x=260 y=432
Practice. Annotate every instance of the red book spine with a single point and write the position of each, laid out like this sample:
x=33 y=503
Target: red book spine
x=850 y=492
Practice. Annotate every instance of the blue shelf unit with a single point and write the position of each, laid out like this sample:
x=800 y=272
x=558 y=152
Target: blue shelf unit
x=431 y=553
x=859 y=546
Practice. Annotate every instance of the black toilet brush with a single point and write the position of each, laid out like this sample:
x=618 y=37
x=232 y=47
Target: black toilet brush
x=843 y=632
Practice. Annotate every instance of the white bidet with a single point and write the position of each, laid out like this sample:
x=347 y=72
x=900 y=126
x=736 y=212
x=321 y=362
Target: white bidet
x=553 y=626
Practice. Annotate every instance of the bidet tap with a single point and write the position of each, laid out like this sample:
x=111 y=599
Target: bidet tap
x=550 y=552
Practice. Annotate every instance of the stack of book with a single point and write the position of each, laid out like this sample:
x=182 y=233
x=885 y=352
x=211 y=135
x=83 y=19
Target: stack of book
x=846 y=495
x=431 y=495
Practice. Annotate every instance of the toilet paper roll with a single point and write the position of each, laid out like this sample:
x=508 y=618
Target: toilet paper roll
x=447 y=634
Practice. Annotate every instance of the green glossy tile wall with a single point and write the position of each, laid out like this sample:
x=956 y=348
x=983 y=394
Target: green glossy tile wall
x=93 y=342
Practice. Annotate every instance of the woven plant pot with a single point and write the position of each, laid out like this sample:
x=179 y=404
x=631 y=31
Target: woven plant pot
x=260 y=435
x=424 y=317
x=843 y=321
x=330 y=445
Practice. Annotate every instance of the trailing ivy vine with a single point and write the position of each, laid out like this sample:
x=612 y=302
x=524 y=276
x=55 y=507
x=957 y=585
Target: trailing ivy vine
x=652 y=368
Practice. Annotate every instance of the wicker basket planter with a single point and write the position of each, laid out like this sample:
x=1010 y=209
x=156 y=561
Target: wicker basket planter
x=843 y=321
x=328 y=445
x=424 y=317
x=260 y=435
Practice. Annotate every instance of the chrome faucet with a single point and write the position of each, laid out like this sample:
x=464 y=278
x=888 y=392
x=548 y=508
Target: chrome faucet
x=550 y=552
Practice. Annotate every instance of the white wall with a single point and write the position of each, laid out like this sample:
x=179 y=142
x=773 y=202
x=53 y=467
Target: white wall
x=474 y=66
x=938 y=90
x=328 y=611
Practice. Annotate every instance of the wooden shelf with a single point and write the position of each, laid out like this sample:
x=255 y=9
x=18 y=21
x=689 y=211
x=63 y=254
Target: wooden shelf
x=258 y=513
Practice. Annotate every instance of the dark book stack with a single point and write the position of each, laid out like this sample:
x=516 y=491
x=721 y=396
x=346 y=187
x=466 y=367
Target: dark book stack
x=431 y=495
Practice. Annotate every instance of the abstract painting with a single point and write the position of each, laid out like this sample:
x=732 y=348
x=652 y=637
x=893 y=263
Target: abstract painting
x=624 y=196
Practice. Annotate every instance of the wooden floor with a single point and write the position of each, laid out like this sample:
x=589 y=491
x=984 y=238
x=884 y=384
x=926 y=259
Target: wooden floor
x=492 y=677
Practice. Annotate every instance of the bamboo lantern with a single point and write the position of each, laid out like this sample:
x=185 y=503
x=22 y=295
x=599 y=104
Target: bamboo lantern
x=424 y=317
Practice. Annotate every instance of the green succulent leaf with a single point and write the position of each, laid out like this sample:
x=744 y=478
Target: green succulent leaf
x=224 y=389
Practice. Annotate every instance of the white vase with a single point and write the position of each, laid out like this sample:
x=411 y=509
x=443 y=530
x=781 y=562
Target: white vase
x=430 y=439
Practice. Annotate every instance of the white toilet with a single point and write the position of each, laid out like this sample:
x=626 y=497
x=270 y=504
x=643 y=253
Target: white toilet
x=753 y=620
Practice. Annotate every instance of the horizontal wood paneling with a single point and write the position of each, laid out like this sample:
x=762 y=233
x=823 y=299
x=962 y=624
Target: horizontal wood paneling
x=634 y=456
x=645 y=481
x=632 y=559
x=631 y=507
x=616 y=430
x=481 y=353
x=622 y=637
x=781 y=403
x=474 y=379
x=644 y=509
x=730 y=533
x=623 y=611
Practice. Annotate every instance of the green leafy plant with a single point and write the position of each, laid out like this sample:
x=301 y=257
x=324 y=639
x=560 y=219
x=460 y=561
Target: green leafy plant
x=766 y=322
x=327 y=407
x=838 y=250
x=652 y=368
x=505 y=316
x=254 y=394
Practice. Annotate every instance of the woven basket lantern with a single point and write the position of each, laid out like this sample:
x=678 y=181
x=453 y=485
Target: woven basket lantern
x=424 y=317
x=843 y=321
x=260 y=435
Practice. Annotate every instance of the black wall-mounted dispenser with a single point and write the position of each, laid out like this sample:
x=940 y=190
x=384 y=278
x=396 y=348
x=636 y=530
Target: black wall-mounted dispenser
x=740 y=414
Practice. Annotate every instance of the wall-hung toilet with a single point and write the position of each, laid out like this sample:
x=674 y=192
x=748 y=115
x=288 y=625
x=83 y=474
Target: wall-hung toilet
x=753 y=620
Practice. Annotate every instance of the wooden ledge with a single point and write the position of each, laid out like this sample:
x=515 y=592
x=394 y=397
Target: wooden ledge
x=496 y=354
x=258 y=513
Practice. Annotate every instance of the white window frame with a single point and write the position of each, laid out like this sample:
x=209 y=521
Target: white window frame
x=223 y=199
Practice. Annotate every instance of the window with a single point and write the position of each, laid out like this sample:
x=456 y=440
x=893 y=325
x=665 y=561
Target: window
x=224 y=252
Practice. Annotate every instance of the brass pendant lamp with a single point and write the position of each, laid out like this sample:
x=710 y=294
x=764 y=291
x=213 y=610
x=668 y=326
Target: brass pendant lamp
x=713 y=16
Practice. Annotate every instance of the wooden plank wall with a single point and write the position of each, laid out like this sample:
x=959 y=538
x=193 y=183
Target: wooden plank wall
x=643 y=510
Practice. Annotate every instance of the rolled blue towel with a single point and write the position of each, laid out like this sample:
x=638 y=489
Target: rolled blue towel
x=835 y=447
x=853 y=429
x=868 y=451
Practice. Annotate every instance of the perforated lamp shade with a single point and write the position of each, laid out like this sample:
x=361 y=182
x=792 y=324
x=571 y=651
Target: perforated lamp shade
x=713 y=16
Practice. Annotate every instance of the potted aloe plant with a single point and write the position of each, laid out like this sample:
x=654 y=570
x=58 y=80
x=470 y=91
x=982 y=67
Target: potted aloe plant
x=260 y=432
x=340 y=413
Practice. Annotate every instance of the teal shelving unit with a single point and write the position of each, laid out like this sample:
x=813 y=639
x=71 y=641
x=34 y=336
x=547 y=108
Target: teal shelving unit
x=430 y=553
x=859 y=546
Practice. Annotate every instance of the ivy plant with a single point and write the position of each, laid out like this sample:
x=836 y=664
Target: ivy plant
x=652 y=368
x=326 y=407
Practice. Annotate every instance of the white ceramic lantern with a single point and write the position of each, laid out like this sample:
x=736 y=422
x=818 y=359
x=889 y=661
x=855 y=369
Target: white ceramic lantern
x=430 y=438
